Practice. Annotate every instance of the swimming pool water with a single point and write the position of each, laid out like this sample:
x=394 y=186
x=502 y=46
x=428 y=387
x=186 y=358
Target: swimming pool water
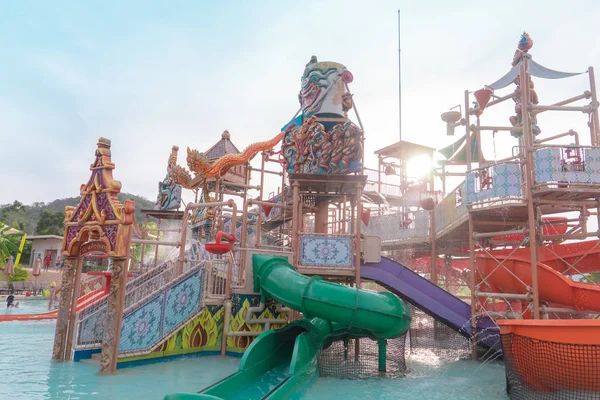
x=27 y=306
x=28 y=374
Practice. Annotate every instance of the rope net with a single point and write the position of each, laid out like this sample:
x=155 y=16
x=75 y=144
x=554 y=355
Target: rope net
x=434 y=337
x=339 y=360
x=543 y=370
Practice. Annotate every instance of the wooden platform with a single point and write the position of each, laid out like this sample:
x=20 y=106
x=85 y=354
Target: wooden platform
x=327 y=272
x=329 y=184
x=164 y=214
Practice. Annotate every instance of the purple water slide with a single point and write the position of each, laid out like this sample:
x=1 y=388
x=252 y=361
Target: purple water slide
x=420 y=292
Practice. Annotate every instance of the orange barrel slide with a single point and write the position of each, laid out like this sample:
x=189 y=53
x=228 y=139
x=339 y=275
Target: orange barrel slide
x=584 y=257
x=553 y=286
x=83 y=301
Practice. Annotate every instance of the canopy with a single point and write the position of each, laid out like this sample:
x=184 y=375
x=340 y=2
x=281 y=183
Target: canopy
x=534 y=69
x=457 y=151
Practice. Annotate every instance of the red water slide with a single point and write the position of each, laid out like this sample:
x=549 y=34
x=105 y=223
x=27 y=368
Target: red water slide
x=83 y=301
x=584 y=257
x=553 y=286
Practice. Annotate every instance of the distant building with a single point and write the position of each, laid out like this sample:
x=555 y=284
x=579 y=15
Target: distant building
x=43 y=244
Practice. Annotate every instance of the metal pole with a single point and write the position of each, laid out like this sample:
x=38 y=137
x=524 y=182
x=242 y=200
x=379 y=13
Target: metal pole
x=399 y=85
x=472 y=284
x=468 y=129
x=528 y=150
x=595 y=120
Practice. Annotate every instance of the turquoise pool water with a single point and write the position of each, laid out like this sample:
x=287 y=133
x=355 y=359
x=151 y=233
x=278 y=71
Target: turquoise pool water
x=28 y=374
x=27 y=306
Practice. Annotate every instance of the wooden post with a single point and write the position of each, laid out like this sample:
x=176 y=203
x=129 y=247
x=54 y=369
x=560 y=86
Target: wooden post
x=114 y=317
x=157 y=238
x=529 y=166
x=322 y=217
x=358 y=233
x=434 y=275
x=295 y=221
x=73 y=311
x=432 y=235
x=244 y=233
x=260 y=198
x=62 y=319
x=358 y=222
x=473 y=289
x=144 y=236
x=344 y=230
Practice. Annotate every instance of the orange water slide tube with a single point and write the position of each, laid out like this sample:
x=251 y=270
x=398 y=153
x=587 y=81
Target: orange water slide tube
x=553 y=286
x=82 y=302
x=585 y=256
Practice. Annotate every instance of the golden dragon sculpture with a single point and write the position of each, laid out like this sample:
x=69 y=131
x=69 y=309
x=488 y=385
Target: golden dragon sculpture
x=200 y=165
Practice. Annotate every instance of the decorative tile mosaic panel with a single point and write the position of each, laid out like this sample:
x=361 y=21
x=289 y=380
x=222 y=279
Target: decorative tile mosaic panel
x=141 y=328
x=506 y=182
x=183 y=301
x=145 y=326
x=574 y=165
x=325 y=251
x=91 y=330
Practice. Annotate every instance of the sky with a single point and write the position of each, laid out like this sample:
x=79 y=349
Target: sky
x=151 y=74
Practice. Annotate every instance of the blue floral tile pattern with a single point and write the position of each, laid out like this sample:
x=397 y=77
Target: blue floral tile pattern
x=507 y=182
x=91 y=330
x=182 y=301
x=550 y=165
x=147 y=325
x=326 y=251
x=141 y=328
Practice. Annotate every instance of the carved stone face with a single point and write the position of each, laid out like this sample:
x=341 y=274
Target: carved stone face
x=323 y=87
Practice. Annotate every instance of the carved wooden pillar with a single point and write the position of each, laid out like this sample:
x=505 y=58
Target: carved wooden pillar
x=62 y=320
x=73 y=311
x=114 y=316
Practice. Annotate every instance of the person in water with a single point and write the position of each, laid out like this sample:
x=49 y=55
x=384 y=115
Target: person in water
x=9 y=301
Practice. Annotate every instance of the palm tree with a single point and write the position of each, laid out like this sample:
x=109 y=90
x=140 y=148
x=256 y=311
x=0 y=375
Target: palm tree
x=7 y=247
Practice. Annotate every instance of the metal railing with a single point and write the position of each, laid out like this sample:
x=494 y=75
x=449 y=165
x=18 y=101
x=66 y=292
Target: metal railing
x=451 y=209
x=216 y=279
x=560 y=166
x=89 y=284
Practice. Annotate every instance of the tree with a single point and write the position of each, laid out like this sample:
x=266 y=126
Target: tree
x=7 y=247
x=50 y=223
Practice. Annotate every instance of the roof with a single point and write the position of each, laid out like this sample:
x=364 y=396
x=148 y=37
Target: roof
x=222 y=147
x=43 y=237
x=404 y=150
x=10 y=231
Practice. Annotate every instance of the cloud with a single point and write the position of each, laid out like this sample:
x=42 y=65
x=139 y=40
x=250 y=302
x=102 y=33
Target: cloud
x=149 y=77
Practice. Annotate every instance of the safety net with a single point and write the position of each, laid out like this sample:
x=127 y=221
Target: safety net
x=544 y=370
x=431 y=336
x=344 y=360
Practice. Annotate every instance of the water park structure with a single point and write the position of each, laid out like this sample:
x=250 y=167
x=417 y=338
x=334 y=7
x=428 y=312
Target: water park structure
x=337 y=269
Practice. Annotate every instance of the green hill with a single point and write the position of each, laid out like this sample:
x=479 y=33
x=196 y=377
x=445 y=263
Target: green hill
x=27 y=217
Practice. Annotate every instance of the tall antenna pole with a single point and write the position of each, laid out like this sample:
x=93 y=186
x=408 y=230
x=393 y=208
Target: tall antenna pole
x=399 y=85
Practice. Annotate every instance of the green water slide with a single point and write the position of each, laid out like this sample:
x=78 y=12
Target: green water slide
x=282 y=362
